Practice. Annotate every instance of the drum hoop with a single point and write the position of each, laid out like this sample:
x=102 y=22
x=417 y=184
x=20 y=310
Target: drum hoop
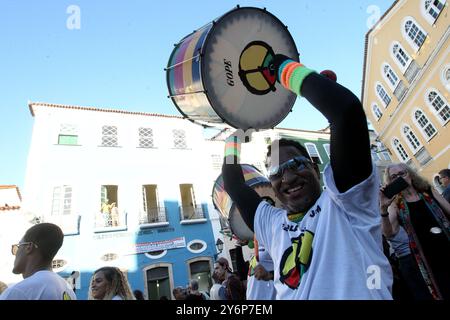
x=241 y=164
x=172 y=97
x=206 y=44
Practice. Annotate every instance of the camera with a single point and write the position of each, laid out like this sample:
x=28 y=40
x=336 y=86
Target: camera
x=395 y=187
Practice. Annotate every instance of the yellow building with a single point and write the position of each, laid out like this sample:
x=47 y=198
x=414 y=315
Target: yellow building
x=406 y=83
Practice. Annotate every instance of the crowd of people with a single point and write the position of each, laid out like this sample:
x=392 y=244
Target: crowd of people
x=328 y=243
x=345 y=241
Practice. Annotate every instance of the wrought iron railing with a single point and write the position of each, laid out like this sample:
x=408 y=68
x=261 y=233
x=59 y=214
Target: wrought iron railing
x=191 y=212
x=153 y=215
x=110 y=219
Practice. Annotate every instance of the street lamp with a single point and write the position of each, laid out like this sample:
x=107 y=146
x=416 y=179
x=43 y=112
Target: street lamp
x=219 y=245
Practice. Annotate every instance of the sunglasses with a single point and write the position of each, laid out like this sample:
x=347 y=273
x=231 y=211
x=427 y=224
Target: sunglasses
x=298 y=164
x=15 y=247
x=399 y=174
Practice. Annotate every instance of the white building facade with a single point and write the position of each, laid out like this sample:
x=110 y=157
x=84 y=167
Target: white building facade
x=129 y=189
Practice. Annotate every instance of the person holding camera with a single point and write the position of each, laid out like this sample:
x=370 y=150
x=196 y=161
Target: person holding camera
x=413 y=212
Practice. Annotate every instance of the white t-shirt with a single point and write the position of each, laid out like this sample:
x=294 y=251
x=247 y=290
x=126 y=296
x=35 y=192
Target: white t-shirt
x=42 y=285
x=214 y=292
x=335 y=252
x=260 y=289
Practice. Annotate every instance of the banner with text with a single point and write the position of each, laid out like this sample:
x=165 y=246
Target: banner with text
x=143 y=247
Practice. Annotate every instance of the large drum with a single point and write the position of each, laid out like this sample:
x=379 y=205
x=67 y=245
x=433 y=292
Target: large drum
x=223 y=203
x=221 y=72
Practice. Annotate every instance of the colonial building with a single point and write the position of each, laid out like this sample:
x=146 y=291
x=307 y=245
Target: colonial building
x=406 y=83
x=129 y=189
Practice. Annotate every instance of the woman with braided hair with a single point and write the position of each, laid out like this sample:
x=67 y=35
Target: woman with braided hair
x=109 y=283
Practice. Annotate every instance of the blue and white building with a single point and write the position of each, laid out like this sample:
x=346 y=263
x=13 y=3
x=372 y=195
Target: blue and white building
x=156 y=169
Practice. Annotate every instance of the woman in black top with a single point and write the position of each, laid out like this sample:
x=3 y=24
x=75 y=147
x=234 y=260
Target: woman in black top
x=424 y=214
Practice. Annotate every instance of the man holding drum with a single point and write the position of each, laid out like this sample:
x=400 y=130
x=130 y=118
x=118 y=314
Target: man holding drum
x=324 y=244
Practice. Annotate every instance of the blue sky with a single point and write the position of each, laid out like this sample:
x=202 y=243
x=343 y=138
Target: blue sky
x=116 y=58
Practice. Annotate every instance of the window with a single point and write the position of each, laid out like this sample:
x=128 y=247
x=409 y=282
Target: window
x=326 y=146
x=153 y=212
x=196 y=246
x=146 y=138
x=68 y=134
x=400 y=56
x=259 y=165
x=179 y=139
x=109 y=257
x=109 y=136
x=158 y=283
x=423 y=157
x=375 y=156
x=431 y=9
x=445 y=77
x=390 y=76
x=400 y=150
x=411 y=138
x=425 y=125
x=189 y=208
x=439 y=105
x=376 y=111
x=108 y=215
x=58 y=265
x=437 y=183
x=201 y=271
x=386 y=156
x=382 y=95
x=156 y=254
x=414 y=33
x=62 y=200
x=313 y=153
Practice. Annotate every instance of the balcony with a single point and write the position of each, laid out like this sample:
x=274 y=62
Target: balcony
x=192 y=214
x=110 y=221
x=412 y=71
x=154 y=217
x=400 y=91
x=423 y=156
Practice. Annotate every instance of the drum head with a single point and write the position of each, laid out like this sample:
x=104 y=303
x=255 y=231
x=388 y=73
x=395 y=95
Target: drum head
x=238 y=226
x=236 y=76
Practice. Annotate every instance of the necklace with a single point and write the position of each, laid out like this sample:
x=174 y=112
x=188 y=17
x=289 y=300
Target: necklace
x=296 y=217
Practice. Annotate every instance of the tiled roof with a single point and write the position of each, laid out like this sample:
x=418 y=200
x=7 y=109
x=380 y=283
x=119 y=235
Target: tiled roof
x=32 y=105
x=6 y=206
x=366 y=48
x=324 y=130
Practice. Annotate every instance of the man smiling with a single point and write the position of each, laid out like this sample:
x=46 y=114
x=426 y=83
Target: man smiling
x=325 y=245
